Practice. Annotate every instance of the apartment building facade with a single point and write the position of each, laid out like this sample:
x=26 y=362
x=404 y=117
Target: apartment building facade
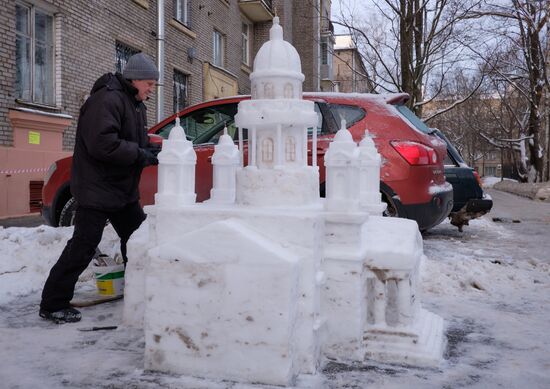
x=349 y=72
x=52 y=51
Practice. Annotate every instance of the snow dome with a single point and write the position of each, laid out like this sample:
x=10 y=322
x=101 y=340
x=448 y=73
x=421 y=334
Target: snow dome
x=277 y=68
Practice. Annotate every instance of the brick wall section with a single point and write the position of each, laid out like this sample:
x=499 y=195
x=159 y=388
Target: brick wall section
x=305 y=29
x=87 y=31
x=7 y=68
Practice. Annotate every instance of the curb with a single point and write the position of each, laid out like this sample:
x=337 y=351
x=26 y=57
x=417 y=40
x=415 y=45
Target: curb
x=534 y=191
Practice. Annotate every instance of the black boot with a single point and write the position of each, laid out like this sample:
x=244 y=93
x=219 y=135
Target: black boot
x=65 y=315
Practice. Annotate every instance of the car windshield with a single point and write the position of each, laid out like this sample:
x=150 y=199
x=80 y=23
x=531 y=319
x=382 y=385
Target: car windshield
x=203 y=121
x=214 y=132
x=413 y=119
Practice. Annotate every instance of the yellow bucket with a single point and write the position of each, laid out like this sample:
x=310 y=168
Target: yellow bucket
x=109 y=280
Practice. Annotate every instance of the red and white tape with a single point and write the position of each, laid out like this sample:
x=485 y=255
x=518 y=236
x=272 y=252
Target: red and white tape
x=23 y=171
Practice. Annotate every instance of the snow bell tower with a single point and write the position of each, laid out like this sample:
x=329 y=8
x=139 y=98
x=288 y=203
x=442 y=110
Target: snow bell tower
x=276 y=121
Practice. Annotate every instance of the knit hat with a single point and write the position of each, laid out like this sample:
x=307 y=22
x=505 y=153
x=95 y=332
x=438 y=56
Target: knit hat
x=140 y=67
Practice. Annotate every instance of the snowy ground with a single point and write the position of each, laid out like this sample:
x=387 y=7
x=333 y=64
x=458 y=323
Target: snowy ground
x=490 y=284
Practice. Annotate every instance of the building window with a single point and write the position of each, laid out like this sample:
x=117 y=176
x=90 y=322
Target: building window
x=123 y=53
x=182 y=11
x=180 y=91
x=34 y=53
x=218 y=43
x=246 y=43
x=326 y=55
x=490 y=171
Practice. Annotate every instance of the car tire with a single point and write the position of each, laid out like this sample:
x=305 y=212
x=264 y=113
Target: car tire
x=391 y=209
x=66 y=218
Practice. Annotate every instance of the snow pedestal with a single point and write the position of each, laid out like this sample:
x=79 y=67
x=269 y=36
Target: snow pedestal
x=398 y=329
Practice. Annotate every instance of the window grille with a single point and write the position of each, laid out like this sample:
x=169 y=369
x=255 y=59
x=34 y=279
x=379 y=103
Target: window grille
x=180 y=91
x=122 y=54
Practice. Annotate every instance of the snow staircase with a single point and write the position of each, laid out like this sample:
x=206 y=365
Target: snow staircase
x=421 y=344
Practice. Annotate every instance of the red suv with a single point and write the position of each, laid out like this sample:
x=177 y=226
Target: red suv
x=412 y=180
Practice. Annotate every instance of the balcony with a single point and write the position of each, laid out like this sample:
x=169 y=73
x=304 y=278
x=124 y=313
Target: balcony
x=257 y=10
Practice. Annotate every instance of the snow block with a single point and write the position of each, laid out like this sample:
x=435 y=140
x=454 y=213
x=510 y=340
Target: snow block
x=134 y=275
x=219 y=310
x=343 y=300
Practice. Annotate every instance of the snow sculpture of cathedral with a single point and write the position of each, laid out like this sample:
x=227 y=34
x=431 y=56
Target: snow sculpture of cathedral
x=266 y=279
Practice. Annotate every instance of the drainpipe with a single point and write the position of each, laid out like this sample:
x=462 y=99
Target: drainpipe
x=160 y=60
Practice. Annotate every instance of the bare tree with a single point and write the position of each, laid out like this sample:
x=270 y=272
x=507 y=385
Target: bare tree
x=521 y=34
x=405 y=43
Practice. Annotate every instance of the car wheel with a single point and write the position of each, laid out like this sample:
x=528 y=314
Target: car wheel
x=391 y=209
x=66 y=218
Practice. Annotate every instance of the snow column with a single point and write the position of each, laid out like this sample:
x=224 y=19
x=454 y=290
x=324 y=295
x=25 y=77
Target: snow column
x=226 y=158
x=341 y=162
x=343 y=295
x=176 y=174
x=369 y=176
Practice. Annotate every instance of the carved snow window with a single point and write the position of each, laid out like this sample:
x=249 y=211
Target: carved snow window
x=267 y=150
x=290 y=149
x=268 y=90
x=289 y=90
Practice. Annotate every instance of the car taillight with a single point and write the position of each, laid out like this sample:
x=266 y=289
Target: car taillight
x=415 y=153
x=478 y=179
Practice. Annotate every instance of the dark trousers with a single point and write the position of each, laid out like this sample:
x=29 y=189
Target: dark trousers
x=80 y=249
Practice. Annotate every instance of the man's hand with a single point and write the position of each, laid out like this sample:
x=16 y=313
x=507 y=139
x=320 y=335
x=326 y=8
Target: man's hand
x=154 y=148
x=147 y=158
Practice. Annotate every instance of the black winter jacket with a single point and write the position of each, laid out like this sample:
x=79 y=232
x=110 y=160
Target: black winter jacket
x=111 y=129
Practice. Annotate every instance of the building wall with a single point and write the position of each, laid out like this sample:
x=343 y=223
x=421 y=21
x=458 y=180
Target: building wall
x=305 y=27
x=349 y=72
x=86 y=33
x=7 y=68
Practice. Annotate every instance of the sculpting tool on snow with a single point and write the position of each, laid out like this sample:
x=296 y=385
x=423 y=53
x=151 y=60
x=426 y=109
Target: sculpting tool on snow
x=97 y=328
x=94 y=301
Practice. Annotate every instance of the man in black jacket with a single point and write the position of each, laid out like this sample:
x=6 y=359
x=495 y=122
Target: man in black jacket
x=111 y=150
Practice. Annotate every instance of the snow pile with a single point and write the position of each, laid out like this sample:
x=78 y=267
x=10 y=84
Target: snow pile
x=28 y=254
x=483 y=270
x=490 y=181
